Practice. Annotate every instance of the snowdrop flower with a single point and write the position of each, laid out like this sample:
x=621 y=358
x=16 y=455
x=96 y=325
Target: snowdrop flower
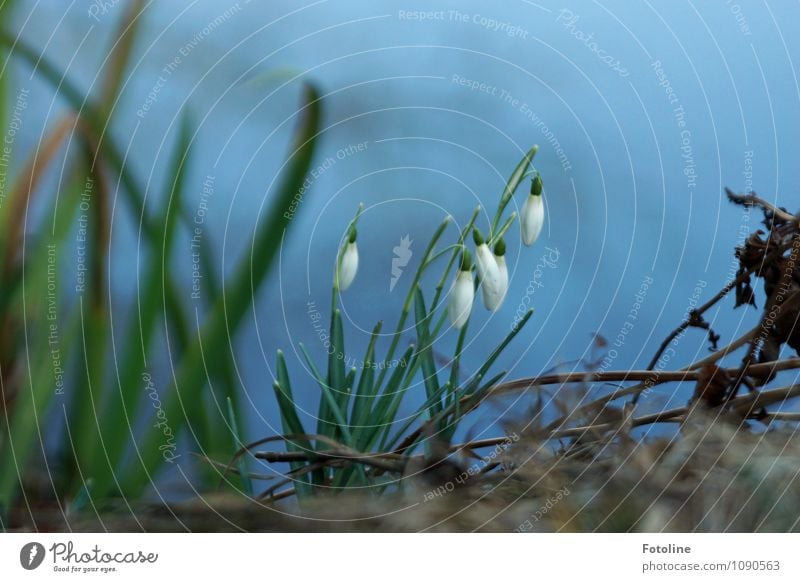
x=486 y=265
x=493 y=300
x=532 y=217
x=348 y=262
x=462 y=294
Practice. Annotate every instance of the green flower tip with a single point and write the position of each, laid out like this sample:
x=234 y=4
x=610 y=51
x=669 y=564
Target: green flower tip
x=500 y=248
x=466 y=260
x=536 y=185
x=353 y=235
x=477 y=236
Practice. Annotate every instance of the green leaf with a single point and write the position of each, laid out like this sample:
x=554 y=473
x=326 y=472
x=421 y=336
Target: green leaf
x=116 y=64
x=427 y=363
x=336 y=422
x=228 y=311
x=410 y=298
x=290 y=420
x=507 y=340
x=5 y=69
x=289 y=416
x=455 y=364
x=44 y=343
x=335 y=377
x=382 y=414
x=336 y=368
x=241 y=464
x=120 y=406
x=365 y=395
x=387 y=444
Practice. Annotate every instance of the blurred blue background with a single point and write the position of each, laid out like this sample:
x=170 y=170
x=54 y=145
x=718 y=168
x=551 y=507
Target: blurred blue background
x=643 y=111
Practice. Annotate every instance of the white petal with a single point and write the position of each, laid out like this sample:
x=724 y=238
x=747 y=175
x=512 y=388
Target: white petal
x=494 y=299
x=532 y=219
x=486 y=265
x=462 y=295
x=349 y=266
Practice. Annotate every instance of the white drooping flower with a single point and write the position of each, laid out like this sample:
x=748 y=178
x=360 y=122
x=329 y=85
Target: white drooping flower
x=531 y=219
x=494 y=299
x=462 y=294
x=486 y=265
x=348 y=262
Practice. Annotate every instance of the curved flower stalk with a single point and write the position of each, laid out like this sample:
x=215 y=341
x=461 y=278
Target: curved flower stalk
x=462 y=294
x=493 y=299
x=486 y=265
x=516 y=178
x=532 y=217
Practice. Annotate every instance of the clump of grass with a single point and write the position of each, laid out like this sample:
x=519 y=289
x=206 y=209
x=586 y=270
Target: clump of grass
x=57 y=347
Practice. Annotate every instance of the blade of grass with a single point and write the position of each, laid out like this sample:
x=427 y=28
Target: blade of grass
x=364 y=396
x=86 y=403
x=382 y=414
x=95 y=342
x=290 y=421
x=5 y=72
x=119 y=408
x=241 y=465
x=410 y=298
x=337 y=420
x=336 y=376
x=119 y=55
x=21 y=195
x=288 y=409
x=228 y=312
x=503 y=344
x=386 y=444
x=455 y=364
x=43 y=343
x=290 y=445
x=473 y=391
x=427 y=363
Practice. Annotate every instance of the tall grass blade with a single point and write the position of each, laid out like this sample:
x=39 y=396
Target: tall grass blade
x=427 y=363
x=120 y=403
x=227 y=312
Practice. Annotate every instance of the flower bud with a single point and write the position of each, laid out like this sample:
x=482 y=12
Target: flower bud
x=348 y=262
x=494 y=299
x=486 y=265
x=531 y=218
x=462 y=293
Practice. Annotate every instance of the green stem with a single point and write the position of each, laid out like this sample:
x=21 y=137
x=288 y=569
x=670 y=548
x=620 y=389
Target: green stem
x=517 y=176
x=440 y=285
x=506 y=225
x=410 y=297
